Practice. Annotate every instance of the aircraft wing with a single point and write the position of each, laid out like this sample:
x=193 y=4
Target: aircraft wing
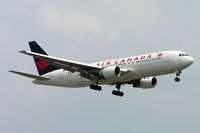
x=86 y=70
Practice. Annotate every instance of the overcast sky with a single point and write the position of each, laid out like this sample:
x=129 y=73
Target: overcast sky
x=90 y=31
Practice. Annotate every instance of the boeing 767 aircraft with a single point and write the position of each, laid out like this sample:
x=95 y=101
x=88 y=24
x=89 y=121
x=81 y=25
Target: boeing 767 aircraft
x=139 y=71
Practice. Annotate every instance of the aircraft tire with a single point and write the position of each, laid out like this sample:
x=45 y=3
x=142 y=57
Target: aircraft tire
x=177 y=79
x=117 y=93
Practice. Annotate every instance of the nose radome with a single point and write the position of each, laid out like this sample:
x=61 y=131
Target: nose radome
x=190 y=60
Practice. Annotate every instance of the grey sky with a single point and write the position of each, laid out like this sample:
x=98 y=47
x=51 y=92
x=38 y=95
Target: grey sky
x=90 y=31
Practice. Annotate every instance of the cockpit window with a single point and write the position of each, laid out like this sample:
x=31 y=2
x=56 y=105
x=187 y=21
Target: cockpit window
x=183 y=54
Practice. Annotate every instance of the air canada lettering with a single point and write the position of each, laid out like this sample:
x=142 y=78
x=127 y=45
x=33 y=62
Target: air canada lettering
x=126 y=60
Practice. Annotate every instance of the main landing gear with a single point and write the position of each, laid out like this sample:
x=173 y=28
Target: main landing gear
x=177 y=79
x=96 y=87
x=118 y=92
x=114 y=92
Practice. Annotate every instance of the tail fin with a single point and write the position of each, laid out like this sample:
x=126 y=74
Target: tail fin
x=41 y=65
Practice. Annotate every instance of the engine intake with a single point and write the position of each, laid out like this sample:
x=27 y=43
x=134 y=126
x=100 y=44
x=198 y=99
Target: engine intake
x=110 y=72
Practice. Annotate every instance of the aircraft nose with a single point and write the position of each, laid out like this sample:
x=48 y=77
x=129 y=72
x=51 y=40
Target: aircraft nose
x=189 y=60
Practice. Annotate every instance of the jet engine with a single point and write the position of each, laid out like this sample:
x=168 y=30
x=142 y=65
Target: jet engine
x=146 y=83
x=110 y=72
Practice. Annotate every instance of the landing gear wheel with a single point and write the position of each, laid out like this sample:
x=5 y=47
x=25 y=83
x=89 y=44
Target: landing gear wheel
x=177 y=79
x=121 y=94
x=117 y=93
x=96 y=87
x=99 y=88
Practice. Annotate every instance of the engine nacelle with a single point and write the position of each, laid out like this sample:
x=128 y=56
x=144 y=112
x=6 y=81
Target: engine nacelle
x=110 y=72
x=146 y=83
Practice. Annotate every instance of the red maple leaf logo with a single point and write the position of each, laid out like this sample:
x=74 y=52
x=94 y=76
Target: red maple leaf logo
x=41 y=65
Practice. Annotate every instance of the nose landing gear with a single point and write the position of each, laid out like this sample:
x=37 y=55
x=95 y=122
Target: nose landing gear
x=177 y=79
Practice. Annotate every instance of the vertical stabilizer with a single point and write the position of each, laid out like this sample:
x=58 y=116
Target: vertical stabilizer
x=41 y=65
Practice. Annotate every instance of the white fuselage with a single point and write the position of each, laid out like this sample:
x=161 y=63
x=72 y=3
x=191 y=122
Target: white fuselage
x=137 y=66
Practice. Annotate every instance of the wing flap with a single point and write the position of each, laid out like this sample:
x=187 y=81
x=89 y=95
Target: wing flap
x=29 y=75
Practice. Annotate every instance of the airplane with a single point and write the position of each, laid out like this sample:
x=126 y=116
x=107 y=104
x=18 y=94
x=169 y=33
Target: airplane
x=139 y=71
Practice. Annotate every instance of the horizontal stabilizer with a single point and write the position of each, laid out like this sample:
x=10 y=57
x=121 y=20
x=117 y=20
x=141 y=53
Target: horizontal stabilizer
x=30 y=75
